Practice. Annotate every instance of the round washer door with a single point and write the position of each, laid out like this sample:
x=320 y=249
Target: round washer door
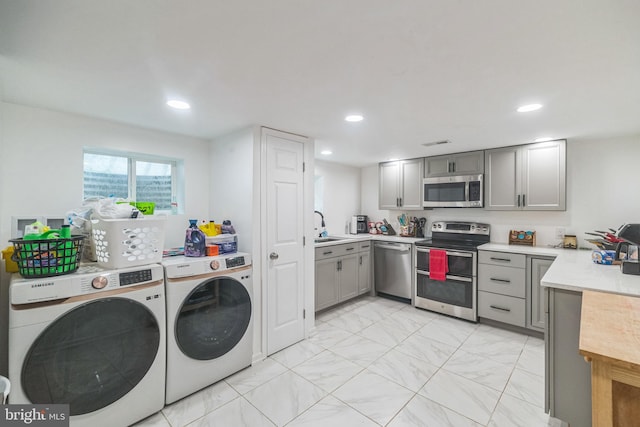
x=213 y=318
x=92 y=356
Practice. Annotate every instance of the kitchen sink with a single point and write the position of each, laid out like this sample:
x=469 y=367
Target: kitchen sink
x=327 y=239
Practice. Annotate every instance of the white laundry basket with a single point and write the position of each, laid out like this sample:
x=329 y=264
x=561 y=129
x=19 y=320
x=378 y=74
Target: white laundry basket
x=128 y=242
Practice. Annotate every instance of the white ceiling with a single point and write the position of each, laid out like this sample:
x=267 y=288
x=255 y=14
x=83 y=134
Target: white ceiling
x=418 y=70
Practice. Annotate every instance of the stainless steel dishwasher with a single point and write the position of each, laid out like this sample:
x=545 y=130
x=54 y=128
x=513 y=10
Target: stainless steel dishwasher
x=392 y=269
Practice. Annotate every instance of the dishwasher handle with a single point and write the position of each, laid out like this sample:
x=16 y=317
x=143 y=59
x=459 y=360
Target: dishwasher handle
x=400 y=247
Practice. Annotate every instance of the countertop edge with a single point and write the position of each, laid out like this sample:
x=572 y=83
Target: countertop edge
x=352 y=238
x=574 y=270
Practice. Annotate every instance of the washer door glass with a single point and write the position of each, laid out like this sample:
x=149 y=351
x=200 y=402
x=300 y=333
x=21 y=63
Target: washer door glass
x=213 y=318
x=92 y=355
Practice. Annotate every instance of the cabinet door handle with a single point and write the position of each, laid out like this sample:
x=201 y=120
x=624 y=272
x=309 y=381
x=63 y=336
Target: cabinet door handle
x=453 y=166
x=327 y=253
x=339 y=265
x=518 y=200
x=350 y=249
x=500 y=308
x=500 y=259
x=397 y=202
x=360 y=259
x=500 y=280
x=400 y=202
x=523 y=203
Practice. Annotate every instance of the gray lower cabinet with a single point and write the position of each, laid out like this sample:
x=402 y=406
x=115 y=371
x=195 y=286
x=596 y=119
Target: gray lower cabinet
x=364 y=268
x=537 y=268
x=348 y=277
x=326 y=283
x=341 y=272
x=502 y=287
x=567 y=375
x=509 y=288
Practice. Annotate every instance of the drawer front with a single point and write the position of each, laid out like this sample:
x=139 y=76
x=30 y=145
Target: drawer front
x=502 y=258
x=501 y=308
x=336 y=250
x=502 y=280
x=365 y=246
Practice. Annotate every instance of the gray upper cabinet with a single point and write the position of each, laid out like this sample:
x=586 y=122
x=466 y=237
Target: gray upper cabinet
x=400 y=185
x=470 y=163
x=529 y=177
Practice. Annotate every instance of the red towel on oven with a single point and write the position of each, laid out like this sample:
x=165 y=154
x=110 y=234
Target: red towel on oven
x=438 y=265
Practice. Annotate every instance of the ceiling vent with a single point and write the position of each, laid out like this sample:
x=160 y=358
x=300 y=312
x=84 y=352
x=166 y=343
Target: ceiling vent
x=430 y=144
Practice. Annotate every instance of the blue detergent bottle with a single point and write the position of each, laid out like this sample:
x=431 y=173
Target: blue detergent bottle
x=194 y=241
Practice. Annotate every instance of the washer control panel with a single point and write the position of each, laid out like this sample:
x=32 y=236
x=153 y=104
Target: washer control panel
x=133 y=277
x=88 y=279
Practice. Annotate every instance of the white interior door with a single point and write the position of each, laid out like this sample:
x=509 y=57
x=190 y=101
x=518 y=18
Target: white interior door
x=284 y=246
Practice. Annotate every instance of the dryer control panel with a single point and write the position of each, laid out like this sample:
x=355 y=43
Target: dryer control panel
x=237 y=261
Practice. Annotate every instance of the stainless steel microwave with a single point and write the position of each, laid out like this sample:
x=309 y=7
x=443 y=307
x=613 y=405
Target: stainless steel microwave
x=459 y=191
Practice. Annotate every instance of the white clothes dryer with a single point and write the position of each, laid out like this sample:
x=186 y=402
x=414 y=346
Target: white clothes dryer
x=94 y=339
x=209 y=320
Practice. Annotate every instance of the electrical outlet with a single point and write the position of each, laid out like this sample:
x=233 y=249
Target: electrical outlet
x=560 y=232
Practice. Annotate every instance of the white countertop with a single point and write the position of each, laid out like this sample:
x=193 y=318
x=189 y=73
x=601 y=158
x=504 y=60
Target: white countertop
x=525 y=250
x=575 y=271
x=350 y=238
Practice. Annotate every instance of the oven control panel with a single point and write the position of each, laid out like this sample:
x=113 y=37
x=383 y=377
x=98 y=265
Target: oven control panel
x=461 y=227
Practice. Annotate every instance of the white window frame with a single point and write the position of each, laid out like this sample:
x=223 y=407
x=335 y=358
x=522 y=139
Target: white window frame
x=132 y=158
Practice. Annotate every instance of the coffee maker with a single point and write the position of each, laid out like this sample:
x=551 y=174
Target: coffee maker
x=627 y=250
x=358 y=224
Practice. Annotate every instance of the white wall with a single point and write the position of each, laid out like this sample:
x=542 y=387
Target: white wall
x=42 y=163
x=235 y=196
x=600 y=194
x=42 y=169
x=232 y=189
x=341 y=198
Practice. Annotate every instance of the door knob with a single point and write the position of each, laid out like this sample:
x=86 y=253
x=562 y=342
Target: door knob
x=273 y=255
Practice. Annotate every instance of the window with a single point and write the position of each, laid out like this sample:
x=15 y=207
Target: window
x=135 y=177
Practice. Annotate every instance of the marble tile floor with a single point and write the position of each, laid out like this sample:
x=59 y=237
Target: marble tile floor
x=378 y=362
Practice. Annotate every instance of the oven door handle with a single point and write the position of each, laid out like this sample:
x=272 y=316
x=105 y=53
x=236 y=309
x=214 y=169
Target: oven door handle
x=450 y=253
x=460 y=278
x=448 y=277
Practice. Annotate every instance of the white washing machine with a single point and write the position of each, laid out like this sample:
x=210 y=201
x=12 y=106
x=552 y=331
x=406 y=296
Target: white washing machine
x=94 y=339
x=209 y=320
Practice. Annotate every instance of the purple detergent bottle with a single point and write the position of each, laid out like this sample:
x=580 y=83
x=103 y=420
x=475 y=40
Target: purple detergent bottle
x=194 y=241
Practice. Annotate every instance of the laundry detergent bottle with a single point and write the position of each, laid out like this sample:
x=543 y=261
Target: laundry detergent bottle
x=194 y=241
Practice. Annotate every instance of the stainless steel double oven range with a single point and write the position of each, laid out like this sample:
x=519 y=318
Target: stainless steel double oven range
x=457 y=294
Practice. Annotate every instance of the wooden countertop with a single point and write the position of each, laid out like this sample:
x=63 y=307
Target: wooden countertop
x=610 y=328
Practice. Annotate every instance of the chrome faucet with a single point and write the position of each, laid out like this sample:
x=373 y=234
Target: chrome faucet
x=322 y=224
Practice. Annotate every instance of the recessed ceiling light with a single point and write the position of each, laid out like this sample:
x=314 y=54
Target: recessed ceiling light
x=179 y=105
x=354 y=118
x=529 y=107
x=326 y=152
x=545 y=139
